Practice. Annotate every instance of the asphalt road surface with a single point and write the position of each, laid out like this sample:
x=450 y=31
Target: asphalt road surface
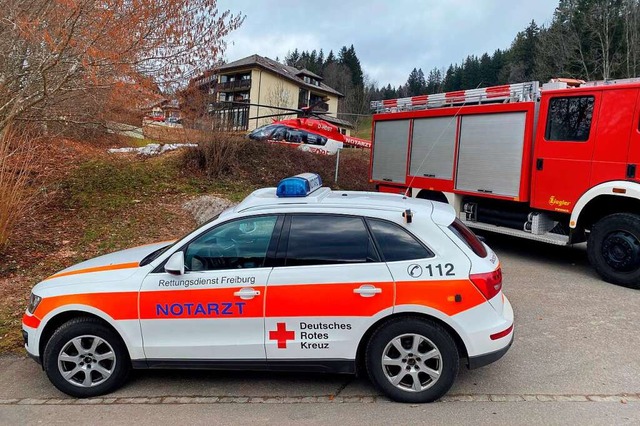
x=575 y=360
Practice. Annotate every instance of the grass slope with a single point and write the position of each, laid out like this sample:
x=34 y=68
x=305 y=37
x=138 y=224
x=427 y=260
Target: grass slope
x=93 y=203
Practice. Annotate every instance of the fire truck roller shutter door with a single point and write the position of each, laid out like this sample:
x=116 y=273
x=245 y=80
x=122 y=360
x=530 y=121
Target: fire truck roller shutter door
x=390 y=151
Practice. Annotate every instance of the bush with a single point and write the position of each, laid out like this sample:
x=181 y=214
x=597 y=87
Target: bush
x=234 y=158
x=216 y=156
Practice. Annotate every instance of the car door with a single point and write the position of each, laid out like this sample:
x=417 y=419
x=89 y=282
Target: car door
x=327 y=288
x=564 y=150
x=429 y=278
x=216 y=309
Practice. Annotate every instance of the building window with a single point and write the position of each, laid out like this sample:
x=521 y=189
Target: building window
x=303 y=96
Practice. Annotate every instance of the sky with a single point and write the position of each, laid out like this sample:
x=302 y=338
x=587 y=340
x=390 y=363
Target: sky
x=390 y=37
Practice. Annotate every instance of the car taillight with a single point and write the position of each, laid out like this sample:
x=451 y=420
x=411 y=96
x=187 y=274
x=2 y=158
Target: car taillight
x=489 y=283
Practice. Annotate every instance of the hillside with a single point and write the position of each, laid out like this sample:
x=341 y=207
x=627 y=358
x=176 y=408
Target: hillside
x=91 y=203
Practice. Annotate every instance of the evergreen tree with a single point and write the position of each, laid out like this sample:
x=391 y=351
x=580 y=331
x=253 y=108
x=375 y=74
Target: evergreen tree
x=349 y=58
x=434 y=81
x=416 y=84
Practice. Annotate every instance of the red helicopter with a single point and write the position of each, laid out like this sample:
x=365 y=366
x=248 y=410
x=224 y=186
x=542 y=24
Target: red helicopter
x=308 y=132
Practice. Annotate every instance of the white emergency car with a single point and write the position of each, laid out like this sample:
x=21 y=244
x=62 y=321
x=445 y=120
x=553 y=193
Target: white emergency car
x=297 y=277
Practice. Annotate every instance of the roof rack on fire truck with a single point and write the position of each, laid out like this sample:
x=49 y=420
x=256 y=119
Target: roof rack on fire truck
x=519 y=92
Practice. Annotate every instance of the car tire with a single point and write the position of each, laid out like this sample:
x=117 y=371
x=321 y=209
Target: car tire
x=412 y=360
x=84 y=358
x=614 y=249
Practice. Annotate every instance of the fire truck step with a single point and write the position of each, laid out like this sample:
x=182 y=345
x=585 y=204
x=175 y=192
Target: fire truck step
x=560 y=240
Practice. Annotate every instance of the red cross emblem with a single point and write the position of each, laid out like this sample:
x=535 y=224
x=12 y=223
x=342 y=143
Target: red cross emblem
x=282 y=335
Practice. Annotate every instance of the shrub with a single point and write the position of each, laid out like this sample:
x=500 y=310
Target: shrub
x=232 y=157
x=217 y=155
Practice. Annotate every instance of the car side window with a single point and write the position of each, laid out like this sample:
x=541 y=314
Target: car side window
x=233 y=245
x=327 y=240
x=396 y=243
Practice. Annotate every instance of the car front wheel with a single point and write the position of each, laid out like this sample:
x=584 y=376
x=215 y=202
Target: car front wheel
x=412 y=360
x=84 y=358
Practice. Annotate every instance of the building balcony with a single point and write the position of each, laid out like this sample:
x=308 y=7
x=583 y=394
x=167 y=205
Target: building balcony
x=225 y=105
x=234 y=85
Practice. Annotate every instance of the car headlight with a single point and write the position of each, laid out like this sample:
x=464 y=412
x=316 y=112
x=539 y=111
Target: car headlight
x=34 y=301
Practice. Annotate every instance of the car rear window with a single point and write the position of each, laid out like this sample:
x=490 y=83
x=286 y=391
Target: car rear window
x=396 y=243
x=468 y=237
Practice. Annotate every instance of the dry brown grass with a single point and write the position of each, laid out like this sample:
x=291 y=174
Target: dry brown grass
x=17 y=157
x=258 y=164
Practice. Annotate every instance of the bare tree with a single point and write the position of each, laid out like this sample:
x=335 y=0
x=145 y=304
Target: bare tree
x=590 y=39
x=631 y=14
x=279 y=96
x=68 y=60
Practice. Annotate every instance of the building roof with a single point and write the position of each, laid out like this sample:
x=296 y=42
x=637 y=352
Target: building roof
x=290 y=73
x=305 y=71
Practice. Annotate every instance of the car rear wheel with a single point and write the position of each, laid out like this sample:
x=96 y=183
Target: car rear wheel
x=84 y=358
x=412 y=360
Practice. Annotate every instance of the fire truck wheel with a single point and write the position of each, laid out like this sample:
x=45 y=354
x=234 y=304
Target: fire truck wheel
x=412 y=360
x=614 y=249
x=84 y=358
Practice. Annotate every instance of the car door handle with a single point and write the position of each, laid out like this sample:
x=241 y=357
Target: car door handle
x=247 y=293
x=367 y=290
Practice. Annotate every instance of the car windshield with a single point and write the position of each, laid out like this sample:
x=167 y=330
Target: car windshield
x=263 y=132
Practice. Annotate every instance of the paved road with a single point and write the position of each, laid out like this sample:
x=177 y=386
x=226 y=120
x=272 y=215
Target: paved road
x=576 y=359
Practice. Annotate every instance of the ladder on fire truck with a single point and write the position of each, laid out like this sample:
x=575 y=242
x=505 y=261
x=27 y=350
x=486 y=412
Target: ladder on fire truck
x=507 y=93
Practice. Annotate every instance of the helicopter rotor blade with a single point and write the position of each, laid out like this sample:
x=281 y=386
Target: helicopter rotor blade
x=270 y=116
x=293 y=110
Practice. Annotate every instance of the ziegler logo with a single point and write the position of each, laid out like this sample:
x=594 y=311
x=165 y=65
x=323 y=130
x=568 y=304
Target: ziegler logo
x=559 y=203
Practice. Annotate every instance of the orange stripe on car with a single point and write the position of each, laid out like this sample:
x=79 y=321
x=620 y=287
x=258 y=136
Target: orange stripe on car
x=448 y=296
x=112 y=267
x=200 y=303
x=323 y=300
x=326 y=300
x=119 y=306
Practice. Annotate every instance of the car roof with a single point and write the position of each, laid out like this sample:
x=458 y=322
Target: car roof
x=324 y=198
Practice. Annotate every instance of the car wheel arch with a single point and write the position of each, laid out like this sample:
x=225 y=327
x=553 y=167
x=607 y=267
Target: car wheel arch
x=362 y=345
x=59 y=318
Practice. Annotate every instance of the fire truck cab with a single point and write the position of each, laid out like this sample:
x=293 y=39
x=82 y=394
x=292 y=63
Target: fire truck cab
x=555 y=163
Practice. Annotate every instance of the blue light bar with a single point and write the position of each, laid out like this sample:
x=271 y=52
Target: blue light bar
x=299 y=185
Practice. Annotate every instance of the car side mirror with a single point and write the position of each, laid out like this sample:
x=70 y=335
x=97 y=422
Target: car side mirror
x=175 y=264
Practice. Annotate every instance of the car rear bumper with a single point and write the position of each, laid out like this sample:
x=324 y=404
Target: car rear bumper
x=486 y=359
x=503 y=336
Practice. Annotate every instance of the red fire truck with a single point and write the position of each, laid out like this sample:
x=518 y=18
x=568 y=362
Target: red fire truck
x=555 y=163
